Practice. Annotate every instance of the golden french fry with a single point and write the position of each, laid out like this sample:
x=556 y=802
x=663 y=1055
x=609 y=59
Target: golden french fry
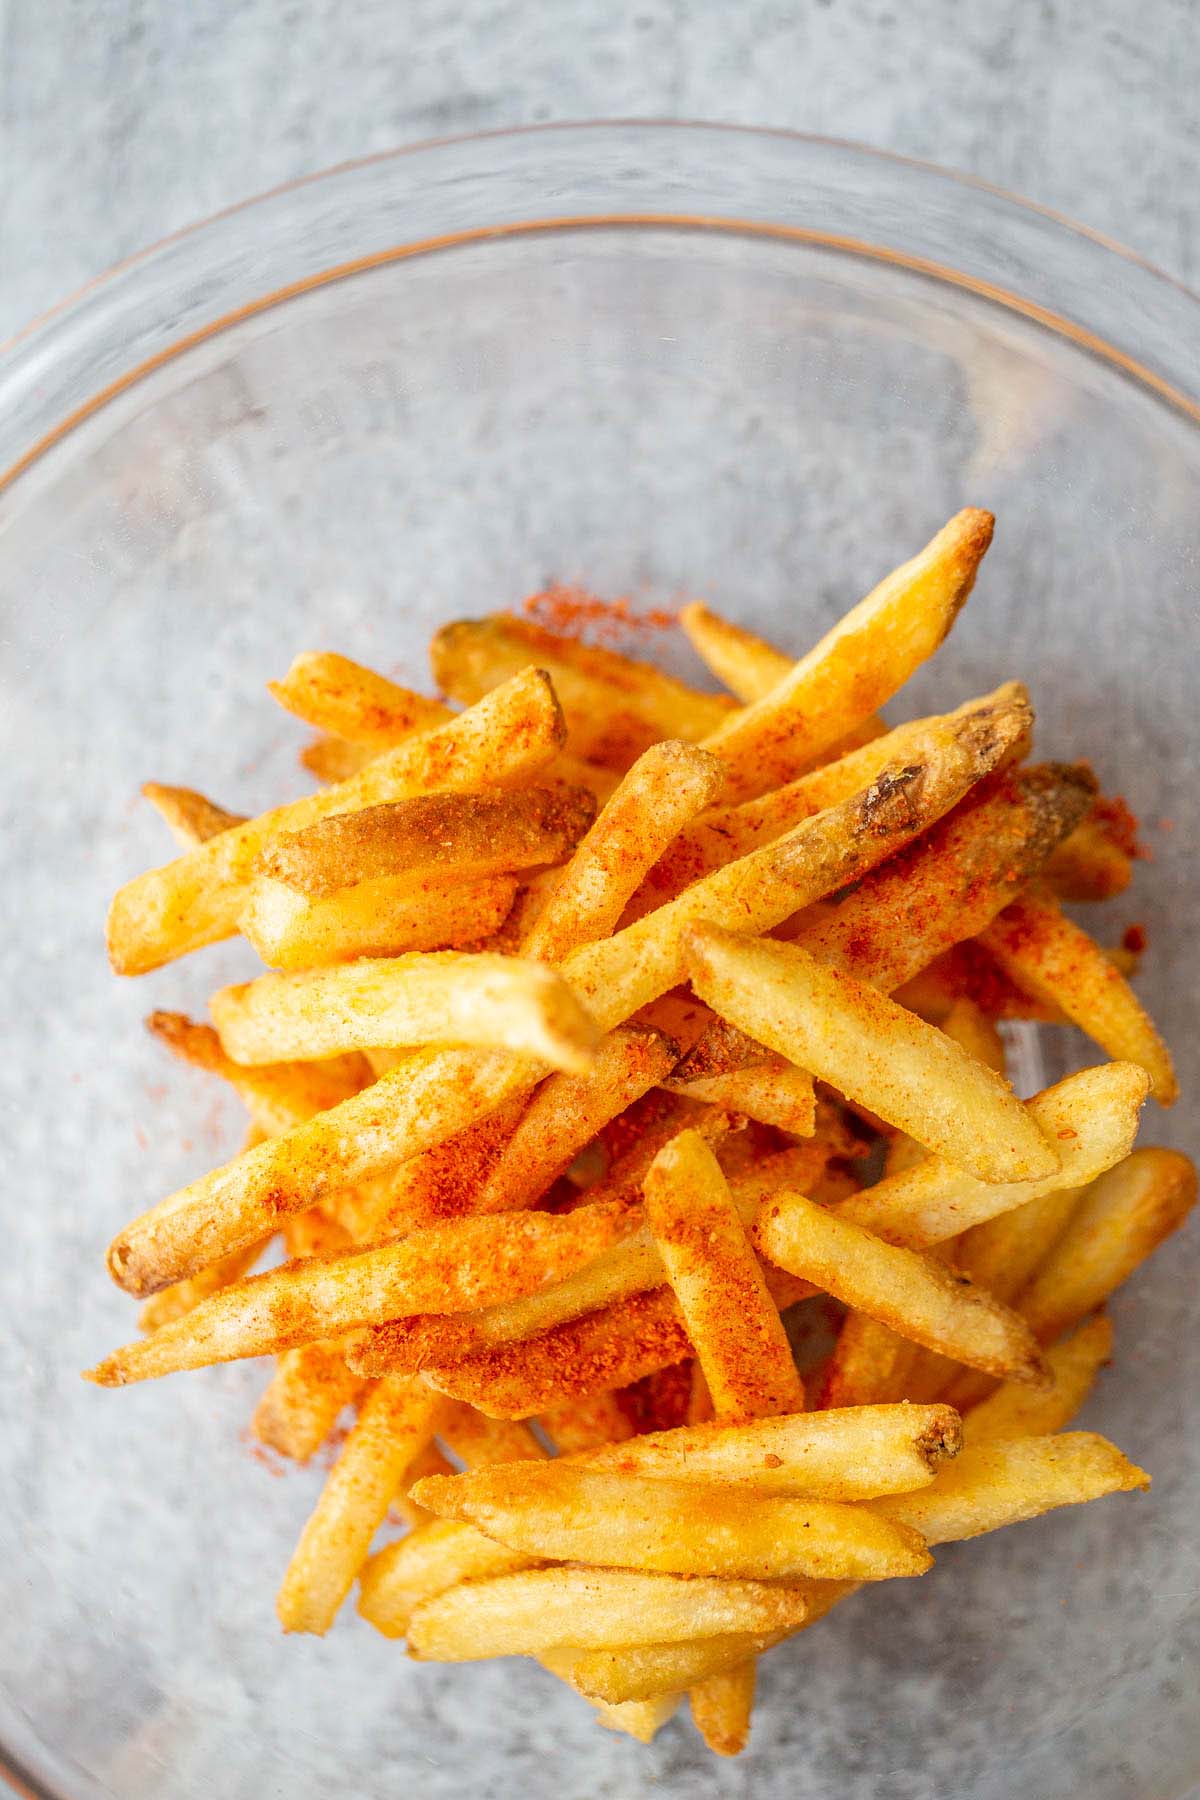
x=332 y=759
x=1092 y=1117
x=915 y=1295
x=995 y=1484
x=951 y=883
x=1059 y=963
x=174 y=1302
x=469 y=836
x=976 y=1033
x=397 y=1418
x=721 y=1708
x=567 y=1111
x=422 y=1103
x=1002 y=1254
x=586 y=1424
x=349 y=701
x=632 y=1672
x=428 y=1461
x=468 y=1262
x=871 y=1364
x=277 y=1097
x=191 y=817
x=858 y=665
x=731 y=1319
x=585 y=1515
x=763 y=888
x=666 y=787
x=748 y=665
x=872 y=1050
x=1088 y=865
x=640 y=1719
x=1121 y=1220
x=304 y=1399
x=385 y=917
x=774 y=1091
x=199 y=898
x=522 y=1615
x=1016 y=1412
x=441 y=1183
x=441 y=997
x=479 y=1441
x=615 y=706
x=428 y=1562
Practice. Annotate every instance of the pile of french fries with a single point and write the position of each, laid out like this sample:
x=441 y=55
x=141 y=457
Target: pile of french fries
x=606 y=1021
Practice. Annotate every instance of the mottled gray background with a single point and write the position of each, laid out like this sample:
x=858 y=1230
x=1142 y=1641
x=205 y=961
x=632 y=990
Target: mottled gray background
x=121 y=120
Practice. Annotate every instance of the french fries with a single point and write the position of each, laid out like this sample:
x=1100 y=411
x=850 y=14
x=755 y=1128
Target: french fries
x=467 y=835
x=444 y=997
x=915 y=1295
x=731 y=1319
x=858 y=665
x=543 y=1609
x=385 y=917
x=593 y=1011
x=589 y=1516
x=871 y=1049
x=397 y=1419
x=198 y=899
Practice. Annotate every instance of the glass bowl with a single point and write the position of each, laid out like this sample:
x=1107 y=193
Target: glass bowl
x=658 y=360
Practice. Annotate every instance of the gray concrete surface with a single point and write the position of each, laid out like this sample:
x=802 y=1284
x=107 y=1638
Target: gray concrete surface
x=121 y=120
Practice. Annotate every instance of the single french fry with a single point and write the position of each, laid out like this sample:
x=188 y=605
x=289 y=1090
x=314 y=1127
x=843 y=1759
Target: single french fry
x=760 y=890
x=872 y=1050
x=589 y=1516
x=615 y=706
x=1121 y=1220
x=396 y=1420
x=951 y=883
x=442 y=997
x=336 y=695
x=430 y=1461
x=732 y=1321
x=853 y=1453
x=1017 y=1412
x=871 y=1364
x=304 y=1399
x=479 y=1441
x=174 y=1302
x=332 y=759
x=748 y=665
x=385 y=917
x=468 y=1262
x=587 y=1424
x=639 y=1719
x=199 y=898
x=192 y=818
x=516 y=1615
x=567 y=1111
x=468 y=836
x=441 y=1183
x=995 y=1484
x=428 y=1562
x=666 y=787
x=1092 y=1117
x=774 y=1091
x=1059 y=963
x=858 y=665
x=1088 y=865
x=277 y=1097
x=915 y=1295
x=721 y=1708
x=1002 y=1254
x=422 y=1103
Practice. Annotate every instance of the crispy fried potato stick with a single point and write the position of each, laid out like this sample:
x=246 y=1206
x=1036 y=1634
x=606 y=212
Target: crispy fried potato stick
x=748 y=665
x=588 y=1516
x=191 y=817
x=872 y=1050
x=344 y=698
x=1017 y=1412
x=442 y=997
x=304 y=1399
x=773 y=1091
x=915 y=1295
x=397 y=1419
x=731 y=1319
x=468 y=836
x=479 y=1441
x=469 y=1262
x=432 y=1560
x=516 y=1615
x=384 y=917
x=1088 y=865
x=615 y=707
x=198 y=899
x=176 y=1301
x=995 y=1484
x=639 y=1719
x=858 y=665
x=721 y=1707
x=1057 y=962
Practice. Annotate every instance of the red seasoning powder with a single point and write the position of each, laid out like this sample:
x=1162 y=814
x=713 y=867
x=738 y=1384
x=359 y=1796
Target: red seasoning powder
x=573 y=612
